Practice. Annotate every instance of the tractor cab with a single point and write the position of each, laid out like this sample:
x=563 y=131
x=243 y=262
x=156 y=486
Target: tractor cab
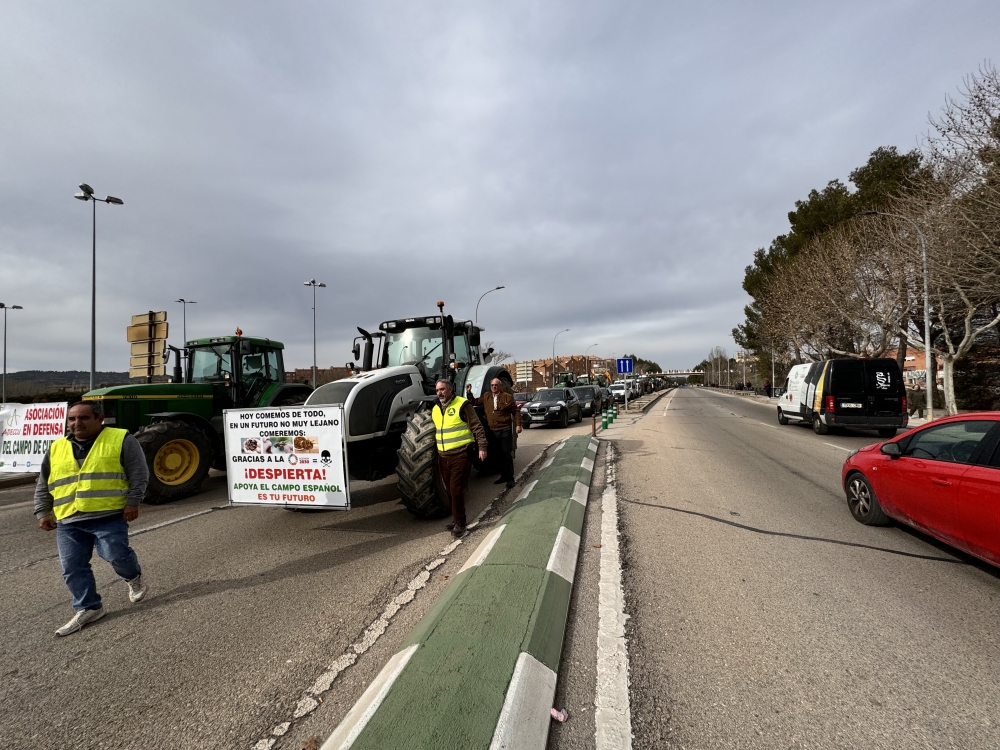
x=437 y=346
x=238 y=369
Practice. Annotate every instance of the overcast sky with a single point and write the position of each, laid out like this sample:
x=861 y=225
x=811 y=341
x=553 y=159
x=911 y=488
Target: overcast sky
x=613 y=164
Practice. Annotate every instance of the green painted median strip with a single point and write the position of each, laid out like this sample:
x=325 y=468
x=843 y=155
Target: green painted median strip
x=452 y=690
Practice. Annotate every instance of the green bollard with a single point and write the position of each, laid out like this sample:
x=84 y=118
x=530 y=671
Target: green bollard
x=604 y=419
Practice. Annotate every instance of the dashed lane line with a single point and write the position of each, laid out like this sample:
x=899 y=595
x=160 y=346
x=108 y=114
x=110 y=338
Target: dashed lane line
x=839 y=447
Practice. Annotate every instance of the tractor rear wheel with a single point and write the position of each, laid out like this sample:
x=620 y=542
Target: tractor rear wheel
x=417 y=475
x=178 y=455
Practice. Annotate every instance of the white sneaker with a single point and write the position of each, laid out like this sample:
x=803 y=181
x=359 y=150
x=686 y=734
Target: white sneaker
x=81 y=618
x=136 y=589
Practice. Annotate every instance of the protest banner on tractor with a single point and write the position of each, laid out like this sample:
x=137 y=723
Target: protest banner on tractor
x=287 y=456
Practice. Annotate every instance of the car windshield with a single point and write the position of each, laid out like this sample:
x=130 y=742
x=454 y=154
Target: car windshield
x=524 y=396
x=618 y=387
x=584 y=392
x=550 y=394
x=213 y=364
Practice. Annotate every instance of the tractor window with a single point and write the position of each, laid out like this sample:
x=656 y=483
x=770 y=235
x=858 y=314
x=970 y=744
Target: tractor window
x=261 y=363
x=462 y=353
x=211 y=365
x=416 y=346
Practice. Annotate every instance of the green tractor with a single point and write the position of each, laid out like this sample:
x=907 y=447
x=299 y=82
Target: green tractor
x=179 y=424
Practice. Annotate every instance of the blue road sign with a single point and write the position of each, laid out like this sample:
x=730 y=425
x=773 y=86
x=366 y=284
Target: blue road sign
x=624 y=366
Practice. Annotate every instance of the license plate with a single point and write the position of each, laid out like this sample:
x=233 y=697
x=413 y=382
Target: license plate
x=538 y=419
x=845 y=405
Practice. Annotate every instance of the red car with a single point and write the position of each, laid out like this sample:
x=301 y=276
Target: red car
x=942 y=478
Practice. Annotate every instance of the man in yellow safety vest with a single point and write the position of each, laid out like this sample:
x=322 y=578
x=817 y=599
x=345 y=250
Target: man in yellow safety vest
x=89 y=487
x=456 y=429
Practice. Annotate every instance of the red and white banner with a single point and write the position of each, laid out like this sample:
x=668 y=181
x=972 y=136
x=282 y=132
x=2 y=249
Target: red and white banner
x=28 y=431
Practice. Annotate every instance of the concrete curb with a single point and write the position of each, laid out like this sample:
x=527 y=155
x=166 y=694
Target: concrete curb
x=16 y=480
x=479 y=670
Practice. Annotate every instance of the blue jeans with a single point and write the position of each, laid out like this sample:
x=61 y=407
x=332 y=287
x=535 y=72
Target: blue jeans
x=76 y=542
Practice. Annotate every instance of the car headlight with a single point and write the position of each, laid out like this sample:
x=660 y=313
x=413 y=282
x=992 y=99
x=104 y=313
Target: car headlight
x=852 y=453
x=589 y=404
x=555 y=408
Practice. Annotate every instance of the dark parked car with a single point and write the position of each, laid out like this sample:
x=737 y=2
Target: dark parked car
x=591 y=399
x=942 y=478
x=552 y=406
x=522 y=398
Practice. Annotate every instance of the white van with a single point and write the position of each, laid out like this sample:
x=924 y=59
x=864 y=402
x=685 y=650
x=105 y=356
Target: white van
x=864 y=394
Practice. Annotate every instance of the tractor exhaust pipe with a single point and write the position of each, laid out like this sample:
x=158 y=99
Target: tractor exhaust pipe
x=366 y=363
x=178 y=376
x=448 y=331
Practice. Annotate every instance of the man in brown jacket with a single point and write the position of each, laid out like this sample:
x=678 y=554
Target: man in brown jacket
x=504 y=417
x=456 y=423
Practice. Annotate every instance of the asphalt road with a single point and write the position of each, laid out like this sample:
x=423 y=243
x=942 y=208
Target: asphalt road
x=763 y=616
x=248 y=607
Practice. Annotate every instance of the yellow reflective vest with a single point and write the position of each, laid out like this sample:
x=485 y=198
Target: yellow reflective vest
x=450 y=430
x=99 y=484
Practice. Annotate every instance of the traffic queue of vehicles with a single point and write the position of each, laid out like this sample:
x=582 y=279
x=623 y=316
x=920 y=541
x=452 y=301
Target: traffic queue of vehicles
x=561 y=405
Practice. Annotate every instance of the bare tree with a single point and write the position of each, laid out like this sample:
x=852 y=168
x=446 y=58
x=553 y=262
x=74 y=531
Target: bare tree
x=499 y=356
x=959 y=213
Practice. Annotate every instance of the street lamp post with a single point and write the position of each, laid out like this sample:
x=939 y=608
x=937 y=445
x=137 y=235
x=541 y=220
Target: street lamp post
x=314 y=285
x=931 y=376
x=5 y=308
x=554 y=355
x=87 y=194
x=587 y=355
x=495 y=289
x=184 y=326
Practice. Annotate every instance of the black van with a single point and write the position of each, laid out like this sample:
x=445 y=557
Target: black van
x=865 y=394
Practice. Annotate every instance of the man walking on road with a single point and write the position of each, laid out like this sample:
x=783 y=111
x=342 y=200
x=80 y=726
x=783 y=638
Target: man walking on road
x=456 y=428
x=89 y=488
x=504 y=417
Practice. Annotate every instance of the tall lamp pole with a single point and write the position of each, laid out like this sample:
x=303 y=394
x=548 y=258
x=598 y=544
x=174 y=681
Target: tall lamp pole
x=587 y=355
x=87 y=194
x=314 y=285
x=5 y=309
x=496 y=289
x=931 y=376
x=554 y=356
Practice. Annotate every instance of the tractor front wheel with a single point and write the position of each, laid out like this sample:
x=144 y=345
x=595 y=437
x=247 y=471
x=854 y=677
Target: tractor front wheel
x=178 y=455
x=417 y=476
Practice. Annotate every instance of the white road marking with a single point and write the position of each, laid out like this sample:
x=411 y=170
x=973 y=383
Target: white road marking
x=177 y=520
x=361 y=712
x=580 y=493
x=765 y=424
x=14 y=506
x=613 y=717
x=483 y=550
x=587 y=464
x=562 y=561
x=839 y=447
x=527 y=490
x=524 y=718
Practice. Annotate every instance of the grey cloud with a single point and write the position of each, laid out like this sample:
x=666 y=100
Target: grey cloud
x=613 y=164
